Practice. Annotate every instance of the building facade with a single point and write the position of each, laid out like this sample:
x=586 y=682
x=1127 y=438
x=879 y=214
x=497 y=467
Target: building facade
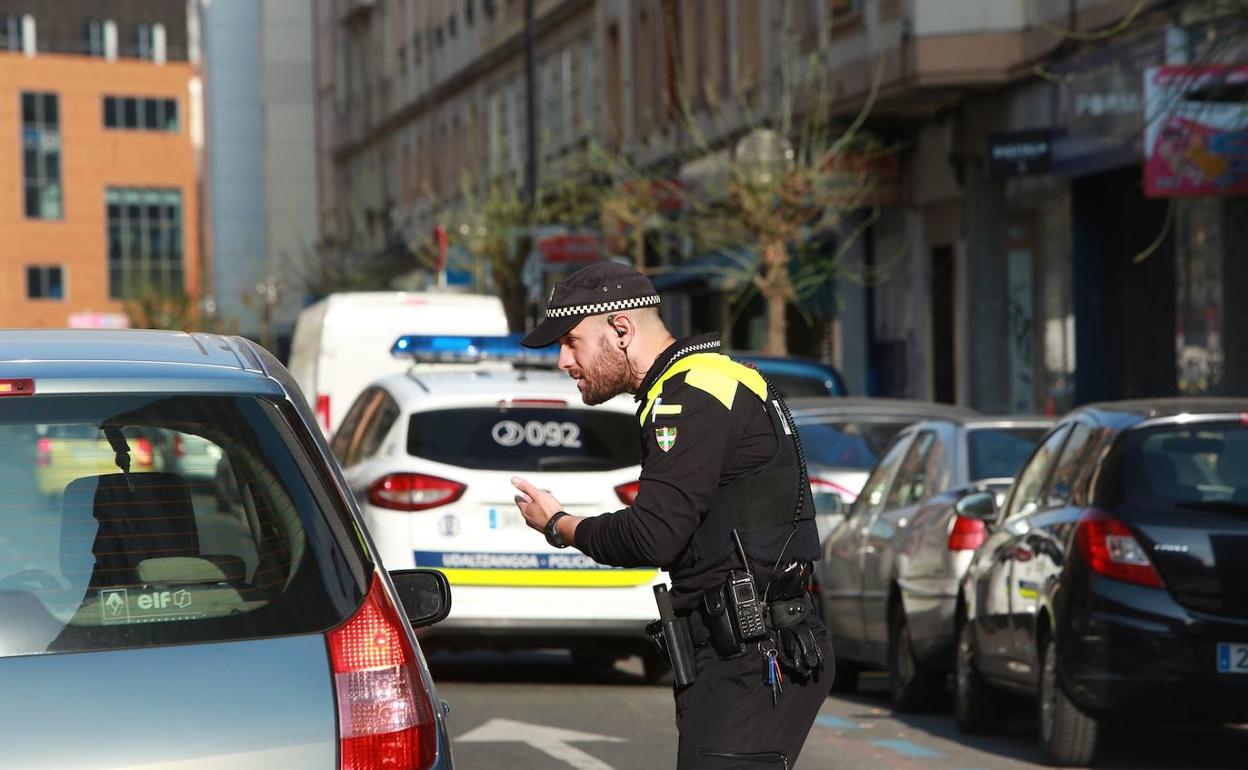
x=260 y=180
x=1015 y=258
x=100 y=200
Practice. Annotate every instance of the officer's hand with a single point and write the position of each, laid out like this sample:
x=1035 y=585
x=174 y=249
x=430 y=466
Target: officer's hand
x=536 y=505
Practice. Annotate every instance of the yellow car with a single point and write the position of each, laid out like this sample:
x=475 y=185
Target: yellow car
x=67 y=452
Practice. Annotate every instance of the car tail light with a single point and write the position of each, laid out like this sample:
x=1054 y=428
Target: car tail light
x=413 y=492
x=820 y=486
x=179 y=450
x=385 y=716
x=43 y=452
x=1112 y=551
x=967 y=534
x=628 y=492
x=17 y=387
x=322 y=411
x=142 y=450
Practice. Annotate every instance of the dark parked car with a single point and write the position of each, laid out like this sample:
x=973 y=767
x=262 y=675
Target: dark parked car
x=795 y=377
x=890 y=572
x=1113 y=582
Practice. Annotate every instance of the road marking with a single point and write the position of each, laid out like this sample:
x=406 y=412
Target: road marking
x=549 y=740
x=909 y=749
x=836 y=723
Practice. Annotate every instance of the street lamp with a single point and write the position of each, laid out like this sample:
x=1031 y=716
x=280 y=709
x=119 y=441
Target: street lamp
x=763 y=155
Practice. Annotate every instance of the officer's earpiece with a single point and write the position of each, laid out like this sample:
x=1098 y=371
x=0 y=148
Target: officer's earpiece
x=618 y=331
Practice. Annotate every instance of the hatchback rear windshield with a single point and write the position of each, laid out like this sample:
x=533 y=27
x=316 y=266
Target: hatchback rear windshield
x=132 y=520
x=526 y=439
x=998 y=453
x=847 y=443
x=1205 y=466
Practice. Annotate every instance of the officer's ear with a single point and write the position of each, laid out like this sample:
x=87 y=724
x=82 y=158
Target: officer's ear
x=622 y=326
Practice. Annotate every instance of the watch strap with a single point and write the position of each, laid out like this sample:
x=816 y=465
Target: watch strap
x=551 y=530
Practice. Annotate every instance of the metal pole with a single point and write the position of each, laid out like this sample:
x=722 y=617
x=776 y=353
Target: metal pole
x=530 y=111
x=525 y=241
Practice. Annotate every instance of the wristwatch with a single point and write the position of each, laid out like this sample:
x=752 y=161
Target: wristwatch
x=552 y=532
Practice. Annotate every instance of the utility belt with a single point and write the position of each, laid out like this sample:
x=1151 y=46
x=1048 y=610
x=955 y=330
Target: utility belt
x=732 y=620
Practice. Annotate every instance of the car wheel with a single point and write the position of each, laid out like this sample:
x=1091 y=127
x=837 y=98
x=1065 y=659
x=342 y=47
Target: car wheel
x=1067 y=735
x=977 y=707
x=914 y=688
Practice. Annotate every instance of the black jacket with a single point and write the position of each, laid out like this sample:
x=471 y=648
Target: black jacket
x=693 y=441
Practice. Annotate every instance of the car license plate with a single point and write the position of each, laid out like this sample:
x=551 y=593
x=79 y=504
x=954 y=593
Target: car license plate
x=1232 y=658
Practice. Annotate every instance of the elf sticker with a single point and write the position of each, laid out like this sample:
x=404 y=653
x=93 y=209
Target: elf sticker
x=666 y=438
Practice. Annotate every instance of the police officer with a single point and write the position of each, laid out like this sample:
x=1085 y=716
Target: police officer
x=723 y=501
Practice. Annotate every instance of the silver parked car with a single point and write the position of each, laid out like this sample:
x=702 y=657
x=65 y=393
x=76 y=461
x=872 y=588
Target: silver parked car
x=165 y=629
x=890 y=571
x=843 y=437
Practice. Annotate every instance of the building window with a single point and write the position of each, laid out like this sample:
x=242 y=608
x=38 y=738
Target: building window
x=10 y=33
x=141 y=113
x=144 y=241
x=41 y=154
x=93 y=37
x=44 y=282
x=144 y=41
x=469 y=12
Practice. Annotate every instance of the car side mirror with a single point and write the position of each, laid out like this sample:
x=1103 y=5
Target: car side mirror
x=830 y=504
x=981 y=506
x=424 y=593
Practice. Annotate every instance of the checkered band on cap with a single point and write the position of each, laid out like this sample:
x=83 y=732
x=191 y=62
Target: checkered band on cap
x=602 y=307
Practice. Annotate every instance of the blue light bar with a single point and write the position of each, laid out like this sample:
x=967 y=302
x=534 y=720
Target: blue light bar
x=470 y=350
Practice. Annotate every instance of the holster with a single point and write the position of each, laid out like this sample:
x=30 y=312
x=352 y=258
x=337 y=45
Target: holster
x=671 y=635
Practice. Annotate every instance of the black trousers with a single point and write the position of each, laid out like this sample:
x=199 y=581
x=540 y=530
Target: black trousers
x=726 y=719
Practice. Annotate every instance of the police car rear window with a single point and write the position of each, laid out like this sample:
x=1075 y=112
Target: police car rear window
x=526 y=439
x=132 y=520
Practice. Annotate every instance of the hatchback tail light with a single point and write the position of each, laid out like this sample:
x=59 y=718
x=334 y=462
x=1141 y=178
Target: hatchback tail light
x=820 y=486
x=43 y=452
x=385 y=716
x=628 y=492
x=967 y=534
x=413 y=492
x=142 y=450
x=322 y=411
x=1112 y=551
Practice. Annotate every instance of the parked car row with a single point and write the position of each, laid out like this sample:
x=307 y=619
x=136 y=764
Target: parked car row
x=1093 y=568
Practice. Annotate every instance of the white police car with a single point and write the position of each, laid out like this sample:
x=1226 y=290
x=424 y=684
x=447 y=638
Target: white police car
x=430 y=456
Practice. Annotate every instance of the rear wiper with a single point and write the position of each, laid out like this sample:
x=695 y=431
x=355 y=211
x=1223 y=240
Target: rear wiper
x=1213 y=505
x=556 y=463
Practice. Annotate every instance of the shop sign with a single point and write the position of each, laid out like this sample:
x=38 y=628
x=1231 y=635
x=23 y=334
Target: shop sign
x=563 y=249
x=92 y=320
x=1020 y=153
x=861 y=179
x=1196 y=141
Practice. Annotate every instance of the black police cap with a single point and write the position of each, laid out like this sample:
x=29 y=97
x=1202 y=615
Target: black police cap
x=603 y=287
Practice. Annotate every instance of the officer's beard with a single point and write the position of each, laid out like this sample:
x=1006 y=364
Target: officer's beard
x=607 y=377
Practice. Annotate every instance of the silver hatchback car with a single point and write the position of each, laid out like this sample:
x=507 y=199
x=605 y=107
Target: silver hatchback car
x=147 y=620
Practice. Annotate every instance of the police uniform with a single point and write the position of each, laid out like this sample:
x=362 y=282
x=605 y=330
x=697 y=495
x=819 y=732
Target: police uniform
x=718 y=455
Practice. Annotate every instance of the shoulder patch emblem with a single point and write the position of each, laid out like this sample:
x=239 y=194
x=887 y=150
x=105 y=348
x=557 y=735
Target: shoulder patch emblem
x=666 y=437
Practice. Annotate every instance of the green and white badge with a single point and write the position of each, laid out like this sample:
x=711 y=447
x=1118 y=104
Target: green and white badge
x=666 y=438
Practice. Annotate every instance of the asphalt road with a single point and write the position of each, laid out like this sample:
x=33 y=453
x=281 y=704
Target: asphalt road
x=536 y=710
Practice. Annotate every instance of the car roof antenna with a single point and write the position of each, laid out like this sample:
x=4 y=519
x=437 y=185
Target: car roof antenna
x=122 y=449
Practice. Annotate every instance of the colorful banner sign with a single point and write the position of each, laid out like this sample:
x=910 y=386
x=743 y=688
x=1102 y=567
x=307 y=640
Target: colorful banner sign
x=1196 y=139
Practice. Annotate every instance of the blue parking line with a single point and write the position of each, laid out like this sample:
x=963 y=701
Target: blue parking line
x=908 y=749
x=836 y=723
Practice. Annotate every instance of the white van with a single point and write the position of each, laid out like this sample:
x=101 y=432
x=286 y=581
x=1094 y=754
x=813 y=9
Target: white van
x=342 y=343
